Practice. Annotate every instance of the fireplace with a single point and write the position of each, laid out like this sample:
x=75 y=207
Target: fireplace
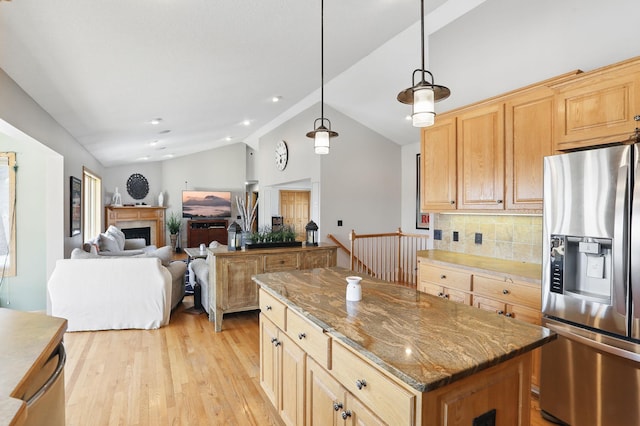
x=142 y=232
x=128 y=217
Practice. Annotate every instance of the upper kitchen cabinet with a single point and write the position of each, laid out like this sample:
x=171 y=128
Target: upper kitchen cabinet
x=598 y=107
x=438 y=166
x=528 y=139
x=481 y=157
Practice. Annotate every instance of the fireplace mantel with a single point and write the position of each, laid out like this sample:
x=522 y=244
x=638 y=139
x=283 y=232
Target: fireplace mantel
x=123 y=217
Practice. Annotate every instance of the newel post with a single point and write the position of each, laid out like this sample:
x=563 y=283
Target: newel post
x=352 y=238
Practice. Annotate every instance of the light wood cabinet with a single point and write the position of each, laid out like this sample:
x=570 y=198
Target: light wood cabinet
x=444 y=282
x=282 y=373
x=598 y=107
x=231 y=288
x=528 y=139
x=438 y=166
x=481 y=157
x=330 y=403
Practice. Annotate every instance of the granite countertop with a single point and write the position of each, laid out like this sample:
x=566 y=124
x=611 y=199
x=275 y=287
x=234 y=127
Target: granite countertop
x=423 y=340
x=28 y=339
x=528 y=272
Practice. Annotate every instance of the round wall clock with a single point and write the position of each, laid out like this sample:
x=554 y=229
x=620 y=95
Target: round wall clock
x=137 y=186
x=282 y=155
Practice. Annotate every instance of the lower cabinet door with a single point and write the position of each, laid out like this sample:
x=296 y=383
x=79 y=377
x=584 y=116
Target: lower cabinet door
x=326 y=398
x=269 y=359
x=292 y=381
x=358 y=414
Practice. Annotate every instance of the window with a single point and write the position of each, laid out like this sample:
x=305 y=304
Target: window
x=7 y=214
x=91 y=203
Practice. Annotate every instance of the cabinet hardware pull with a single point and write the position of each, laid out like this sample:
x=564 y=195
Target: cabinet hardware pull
x=302 y=335
x=274 y=339
x=499 y=201
x=277 y=343
x=443 y=277
x=441 y=294
x=453 y=202
x=361 y=383
x=505 y=291
x=337 y=406
x=509 y=314
x=446 y=296
x=346 y=414
x=268 y=307
x=500 y=312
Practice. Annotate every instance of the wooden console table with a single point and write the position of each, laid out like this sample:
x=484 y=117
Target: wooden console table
x=231 y=288
x=139 y=216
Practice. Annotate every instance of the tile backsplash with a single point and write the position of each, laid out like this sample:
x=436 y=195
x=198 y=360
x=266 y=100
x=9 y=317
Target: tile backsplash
x=505 y=237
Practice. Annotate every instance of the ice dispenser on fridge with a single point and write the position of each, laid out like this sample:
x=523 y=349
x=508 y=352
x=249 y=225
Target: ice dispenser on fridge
x=581 y=267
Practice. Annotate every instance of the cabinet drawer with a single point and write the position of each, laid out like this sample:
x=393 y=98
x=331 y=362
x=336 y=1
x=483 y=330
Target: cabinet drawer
x=310 y=338
x=280 y=262
x=394 y=404
x=273 y=309
x=507 y=291
x=445 y=277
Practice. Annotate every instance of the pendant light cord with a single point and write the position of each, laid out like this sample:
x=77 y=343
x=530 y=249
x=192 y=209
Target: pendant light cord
x=422 y=36
x=322 y=61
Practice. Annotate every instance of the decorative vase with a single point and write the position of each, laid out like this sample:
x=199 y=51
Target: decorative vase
x=174 y=240
x=161 y=199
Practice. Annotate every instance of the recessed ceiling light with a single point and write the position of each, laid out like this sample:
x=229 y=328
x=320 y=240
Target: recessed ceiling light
x=276 y=99
x=228 y=138
x=156 y=121
x=145 y=158
x=246 y=122
x=154 y=142
x=168 y=156
x=408 y=118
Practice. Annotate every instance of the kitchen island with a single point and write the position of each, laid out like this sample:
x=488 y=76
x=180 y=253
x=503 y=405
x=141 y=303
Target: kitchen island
x=398 y=356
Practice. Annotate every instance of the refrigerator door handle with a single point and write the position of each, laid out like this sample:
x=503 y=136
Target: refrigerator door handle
x=634 y=243
x=62 y=358
x=621 y=225
x=563 y=331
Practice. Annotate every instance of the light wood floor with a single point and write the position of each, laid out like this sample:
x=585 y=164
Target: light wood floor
x=181 y=374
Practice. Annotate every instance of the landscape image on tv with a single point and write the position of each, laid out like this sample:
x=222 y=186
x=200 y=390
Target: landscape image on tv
x=206 y=204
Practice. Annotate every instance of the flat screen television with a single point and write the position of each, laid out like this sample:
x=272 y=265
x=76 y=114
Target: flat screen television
x=206 y=204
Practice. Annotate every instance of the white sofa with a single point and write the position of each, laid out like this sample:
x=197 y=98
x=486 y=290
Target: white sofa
x=105 y=292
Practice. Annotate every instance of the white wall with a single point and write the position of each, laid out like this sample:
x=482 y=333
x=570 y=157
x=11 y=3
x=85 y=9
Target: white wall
x=359 y=181
x=56 y=156
x=39 y=217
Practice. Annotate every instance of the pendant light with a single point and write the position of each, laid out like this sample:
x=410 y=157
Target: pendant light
x=424 y=94
x=322 y=133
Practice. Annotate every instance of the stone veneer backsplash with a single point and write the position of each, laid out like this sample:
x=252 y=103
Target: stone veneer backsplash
x=505 y=237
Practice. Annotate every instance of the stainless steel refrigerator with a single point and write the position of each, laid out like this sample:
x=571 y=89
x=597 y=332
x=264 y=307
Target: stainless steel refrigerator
x=591 y=273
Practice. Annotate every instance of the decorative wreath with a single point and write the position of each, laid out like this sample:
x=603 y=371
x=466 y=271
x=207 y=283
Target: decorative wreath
x=137 y=186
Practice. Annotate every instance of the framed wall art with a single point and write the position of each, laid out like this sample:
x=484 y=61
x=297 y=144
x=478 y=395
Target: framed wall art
x=422 y=218
x=75 y=206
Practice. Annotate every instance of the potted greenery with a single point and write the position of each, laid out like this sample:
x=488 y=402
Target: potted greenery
x=267 y=237
x=174 y=223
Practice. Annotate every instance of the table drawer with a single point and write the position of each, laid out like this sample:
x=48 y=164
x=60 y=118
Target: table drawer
x=273 y=309
x=311 y=338
x=394 y=404
x=508 y=291
x=445 y=277
x=280 y=262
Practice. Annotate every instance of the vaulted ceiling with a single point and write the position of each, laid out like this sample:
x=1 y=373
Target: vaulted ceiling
x=105 y=69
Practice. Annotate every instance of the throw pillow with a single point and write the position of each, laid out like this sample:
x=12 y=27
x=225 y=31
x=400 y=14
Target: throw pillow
x=78 y=253
x=118 y=235
x=107 y=243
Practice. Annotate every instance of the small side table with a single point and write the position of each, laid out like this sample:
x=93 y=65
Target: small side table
x=195 y=253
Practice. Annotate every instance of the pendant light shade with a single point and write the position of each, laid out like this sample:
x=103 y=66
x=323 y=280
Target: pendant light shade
x=321 y=133
x=424 y=94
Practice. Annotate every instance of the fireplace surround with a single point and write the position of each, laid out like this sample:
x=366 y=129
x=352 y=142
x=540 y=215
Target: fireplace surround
x=128 y=217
